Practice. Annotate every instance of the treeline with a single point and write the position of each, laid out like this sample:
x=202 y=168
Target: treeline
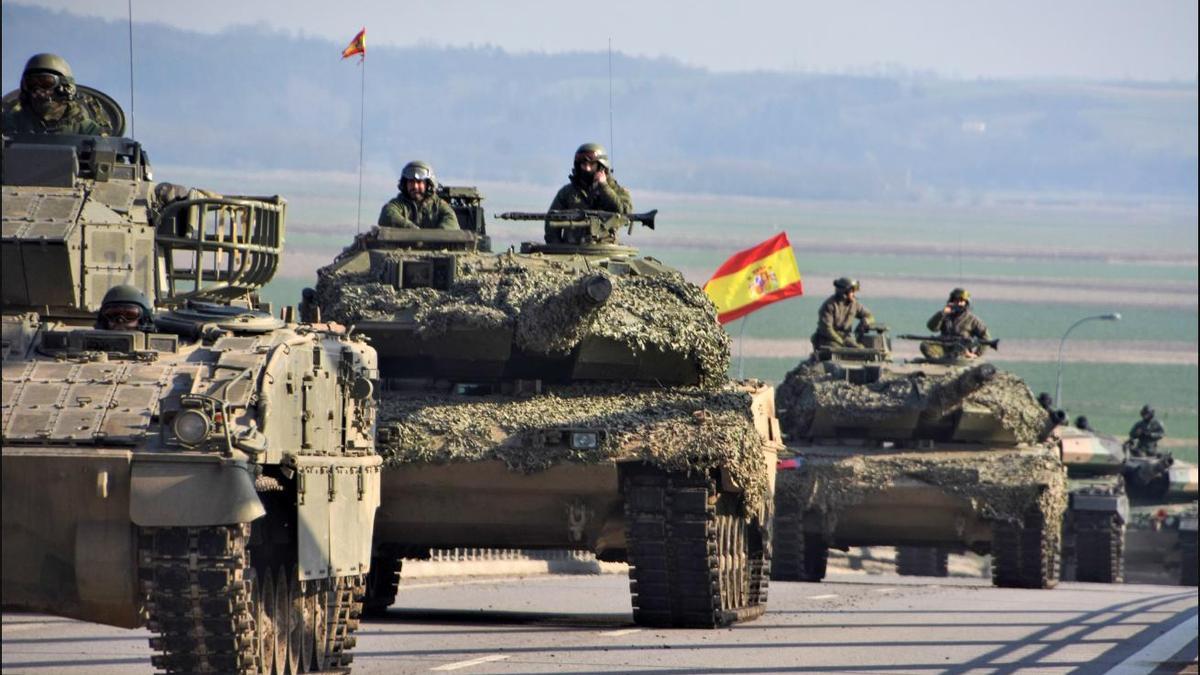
x=255 y=97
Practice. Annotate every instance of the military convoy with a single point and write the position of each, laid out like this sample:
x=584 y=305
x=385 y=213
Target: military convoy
x=566 y=395
x=1163 y=517
x=210 y=475
x=934 y=455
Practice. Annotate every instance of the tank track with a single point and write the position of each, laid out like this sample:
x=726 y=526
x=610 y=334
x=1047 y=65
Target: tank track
x=383 y=583
x=1187 y=548
x=796 y=555
x=1099 y=548
x=209 y=607
x=694 y=561
x=1026 y=554
x=922 y=561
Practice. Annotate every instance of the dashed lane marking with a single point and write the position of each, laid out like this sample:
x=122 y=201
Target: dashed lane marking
x=458 y=665
x=822 y=597
x=623 y=631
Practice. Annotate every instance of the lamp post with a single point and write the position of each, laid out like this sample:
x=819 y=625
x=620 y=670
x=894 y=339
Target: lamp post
x=1058 y=382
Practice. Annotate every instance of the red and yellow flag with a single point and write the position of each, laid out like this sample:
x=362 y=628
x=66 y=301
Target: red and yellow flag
x=357 y=46
x=755 y=278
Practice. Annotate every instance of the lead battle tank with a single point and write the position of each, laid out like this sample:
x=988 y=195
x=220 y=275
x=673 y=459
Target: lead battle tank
x=947 y=454
x=211 y=475
x=569 y=395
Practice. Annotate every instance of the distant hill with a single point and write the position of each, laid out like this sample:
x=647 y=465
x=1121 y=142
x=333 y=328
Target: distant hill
x=252 y=97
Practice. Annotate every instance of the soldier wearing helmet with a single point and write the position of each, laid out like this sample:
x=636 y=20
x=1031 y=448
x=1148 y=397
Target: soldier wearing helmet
x=592 y=185
x=125 y=308
x=838 y=313
x=956 y=320
x=417 y=205
x=1145 y=435
x=46 y=104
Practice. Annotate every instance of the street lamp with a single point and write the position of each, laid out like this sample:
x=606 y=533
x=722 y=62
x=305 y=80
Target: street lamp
x=1058 y=383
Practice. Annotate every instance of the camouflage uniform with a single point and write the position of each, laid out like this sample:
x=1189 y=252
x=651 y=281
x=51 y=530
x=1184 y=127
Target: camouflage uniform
x=610 y=196
x=1146 y=434
x=835 y=319
x=19 y=120
x=431 y=213
x=963 y=324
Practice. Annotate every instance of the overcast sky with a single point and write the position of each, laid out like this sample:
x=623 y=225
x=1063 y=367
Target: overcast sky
x=1090 y=39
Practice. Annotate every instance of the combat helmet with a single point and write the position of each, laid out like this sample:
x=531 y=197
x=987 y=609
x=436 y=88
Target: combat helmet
x=1147 y=411
x=845 y=284
x=596 y=152
x=122 y=297
x=418 y=170
x=960 y=294
x=49 y=65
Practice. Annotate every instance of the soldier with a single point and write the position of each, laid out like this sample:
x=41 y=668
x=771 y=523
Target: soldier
x=836 y=315
x=1082 y=423
x=1145 y=435
x=125 y=308
x=955 y=320
x=417 y=205
x=309 y=311
x=46 y=104
x=592 y=185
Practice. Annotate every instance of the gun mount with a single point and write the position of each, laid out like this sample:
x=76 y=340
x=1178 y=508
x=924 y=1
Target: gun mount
x=581 y=230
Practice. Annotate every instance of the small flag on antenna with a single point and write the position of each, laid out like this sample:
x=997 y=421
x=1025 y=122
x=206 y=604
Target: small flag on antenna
x=357 y=46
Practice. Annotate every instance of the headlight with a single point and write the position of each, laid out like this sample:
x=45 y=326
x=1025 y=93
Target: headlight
x=584 y=440
x=192 y=427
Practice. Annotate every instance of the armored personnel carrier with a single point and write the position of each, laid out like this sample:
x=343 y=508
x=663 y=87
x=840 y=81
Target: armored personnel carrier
x=570 y=395
x=211 y=474
x=916 y=454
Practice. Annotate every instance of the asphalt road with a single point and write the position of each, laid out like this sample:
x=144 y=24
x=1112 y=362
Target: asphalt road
x=582 y=624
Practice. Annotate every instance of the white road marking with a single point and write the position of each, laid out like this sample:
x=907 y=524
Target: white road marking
x=460 y=582
x=473 y=662
x=1149 y=657
x=623 y=631
x=883 y=590
x=15 y=627
x=822 y=597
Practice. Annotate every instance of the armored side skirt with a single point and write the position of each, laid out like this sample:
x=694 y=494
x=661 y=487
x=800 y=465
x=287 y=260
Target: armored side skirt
x=70 y=517
x=565 y=506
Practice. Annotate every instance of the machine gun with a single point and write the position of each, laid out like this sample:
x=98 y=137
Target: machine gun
x=954 y=341
x=583 y=226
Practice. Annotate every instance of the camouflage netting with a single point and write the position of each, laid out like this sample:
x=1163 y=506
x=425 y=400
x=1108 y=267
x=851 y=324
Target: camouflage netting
x=809 y=388
x=541 y=305
x=683 y=429
x=999 y=484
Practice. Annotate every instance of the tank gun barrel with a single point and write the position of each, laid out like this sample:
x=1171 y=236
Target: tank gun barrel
x=946 y=397
x=953 y=340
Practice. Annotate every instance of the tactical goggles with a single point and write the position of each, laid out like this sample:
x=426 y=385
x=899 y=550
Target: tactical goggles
x=37 y=81
x=581 y=157
x=418 y=173
x=123 y=313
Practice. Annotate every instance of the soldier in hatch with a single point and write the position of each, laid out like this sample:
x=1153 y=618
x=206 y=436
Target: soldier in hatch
x=838 y=313
x=592 y=184
x=1145 y=435
x=955 y=320
x=418 y=206
x=125 y=308
x=47 y=102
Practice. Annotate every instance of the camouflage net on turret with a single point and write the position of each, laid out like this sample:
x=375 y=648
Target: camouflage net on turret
x=809 y=388
x=999 y=484
x=660 y=312
x=682 y=429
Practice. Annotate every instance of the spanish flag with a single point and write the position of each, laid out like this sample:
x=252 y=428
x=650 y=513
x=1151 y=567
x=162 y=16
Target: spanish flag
x=755 y=278
x=357 y=46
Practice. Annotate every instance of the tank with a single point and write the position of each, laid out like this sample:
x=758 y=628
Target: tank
x=1162 y=524
x=563 y=396
x=1094 y=531
x=211 y=477
x=937 y=456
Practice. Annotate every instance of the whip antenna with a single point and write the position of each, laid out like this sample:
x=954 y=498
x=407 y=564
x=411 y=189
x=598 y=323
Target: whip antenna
x=611 y=151
x=132 y=125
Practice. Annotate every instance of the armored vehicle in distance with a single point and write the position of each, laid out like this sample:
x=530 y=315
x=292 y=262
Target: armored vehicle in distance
x=932 y=455
x=1163 y=517
x=1095 y=527
x=211 y=474
x=565 y=396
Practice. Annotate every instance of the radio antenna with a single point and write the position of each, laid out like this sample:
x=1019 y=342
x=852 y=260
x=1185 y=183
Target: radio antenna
x=611 y=150
x=132 y=124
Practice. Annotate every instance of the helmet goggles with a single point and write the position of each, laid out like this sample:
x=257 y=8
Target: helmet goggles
x=41 y=81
